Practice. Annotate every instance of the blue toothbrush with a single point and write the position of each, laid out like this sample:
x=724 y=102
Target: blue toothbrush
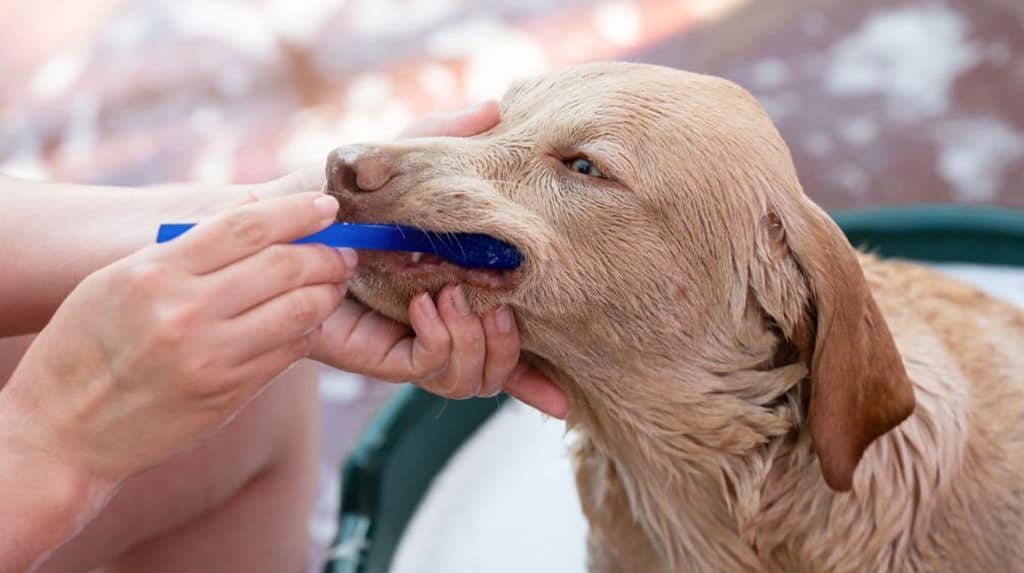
x=468 y=250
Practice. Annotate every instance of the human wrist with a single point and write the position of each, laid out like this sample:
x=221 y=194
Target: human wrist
x=46 y=494
x=40 y=448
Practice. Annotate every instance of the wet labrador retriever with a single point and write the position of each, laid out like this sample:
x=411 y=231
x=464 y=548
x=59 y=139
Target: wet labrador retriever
x=752 y=394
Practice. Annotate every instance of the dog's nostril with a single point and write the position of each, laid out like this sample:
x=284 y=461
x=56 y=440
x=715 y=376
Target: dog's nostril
x=347 y=178
x=360 y=169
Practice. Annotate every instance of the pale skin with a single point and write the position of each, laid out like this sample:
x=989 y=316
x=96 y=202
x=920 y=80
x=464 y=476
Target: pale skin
x=145 y=351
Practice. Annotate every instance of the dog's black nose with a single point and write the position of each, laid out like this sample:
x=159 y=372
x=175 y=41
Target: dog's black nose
x=359 y=169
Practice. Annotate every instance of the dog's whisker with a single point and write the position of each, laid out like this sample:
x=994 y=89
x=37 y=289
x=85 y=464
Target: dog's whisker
x=458 y=243
x=444 y=406
x=431 y=240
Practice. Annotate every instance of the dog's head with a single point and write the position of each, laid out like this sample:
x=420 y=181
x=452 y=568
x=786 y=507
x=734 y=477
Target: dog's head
x=661 y=221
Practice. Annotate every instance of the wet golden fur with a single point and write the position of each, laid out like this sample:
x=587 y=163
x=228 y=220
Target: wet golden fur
x=728 y=355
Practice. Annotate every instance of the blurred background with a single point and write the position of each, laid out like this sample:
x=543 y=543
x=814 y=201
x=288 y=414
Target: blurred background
x=881 y=101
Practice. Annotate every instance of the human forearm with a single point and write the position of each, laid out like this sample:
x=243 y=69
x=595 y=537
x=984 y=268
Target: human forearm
x=55 y=235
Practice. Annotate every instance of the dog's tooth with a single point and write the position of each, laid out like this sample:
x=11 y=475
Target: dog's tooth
x=415 y=257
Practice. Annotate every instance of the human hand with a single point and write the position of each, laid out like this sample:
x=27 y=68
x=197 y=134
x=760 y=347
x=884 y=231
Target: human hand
x=152 y=353
x=445 y=351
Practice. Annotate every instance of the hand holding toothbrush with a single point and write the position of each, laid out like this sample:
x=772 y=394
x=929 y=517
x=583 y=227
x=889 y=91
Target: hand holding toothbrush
x=152 y=349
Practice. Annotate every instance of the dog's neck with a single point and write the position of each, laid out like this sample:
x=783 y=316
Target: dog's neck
x=692 y=465
x=726 y=480
x=693 y=487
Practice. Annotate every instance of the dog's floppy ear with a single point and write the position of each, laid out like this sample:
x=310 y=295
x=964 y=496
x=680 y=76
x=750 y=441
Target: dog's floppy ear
x=859 y=387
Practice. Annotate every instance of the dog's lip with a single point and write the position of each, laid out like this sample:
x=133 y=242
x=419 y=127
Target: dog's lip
x=429 y=269
x=397 y=263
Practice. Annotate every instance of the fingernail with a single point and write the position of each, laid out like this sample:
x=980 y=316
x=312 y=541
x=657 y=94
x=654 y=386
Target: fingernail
x=476 y=107
x=489 y=394
x=460 y=302
x=349 y=256
x=427 y=306
x=503 y=319
x=327 y=205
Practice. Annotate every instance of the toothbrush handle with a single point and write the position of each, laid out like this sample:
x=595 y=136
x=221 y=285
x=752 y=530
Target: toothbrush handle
x=356 y=236
x=470 y=250
x=379 y=237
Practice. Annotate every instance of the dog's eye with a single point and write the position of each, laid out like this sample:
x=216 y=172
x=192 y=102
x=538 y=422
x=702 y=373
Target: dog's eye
x=584 y=167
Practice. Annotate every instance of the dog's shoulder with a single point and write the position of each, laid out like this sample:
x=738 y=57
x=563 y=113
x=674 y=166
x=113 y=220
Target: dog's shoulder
x=964 y=352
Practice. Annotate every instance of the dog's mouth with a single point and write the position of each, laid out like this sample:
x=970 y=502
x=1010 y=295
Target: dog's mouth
x=428 y=271
x=431 y=270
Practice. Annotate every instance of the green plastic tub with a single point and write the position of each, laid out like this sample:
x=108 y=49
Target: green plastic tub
x=409 y=441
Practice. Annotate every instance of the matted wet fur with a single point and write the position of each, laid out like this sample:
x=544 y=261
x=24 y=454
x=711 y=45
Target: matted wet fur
x=742 y=380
